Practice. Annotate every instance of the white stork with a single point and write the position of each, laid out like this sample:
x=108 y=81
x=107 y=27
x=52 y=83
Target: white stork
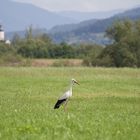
x=64 y=99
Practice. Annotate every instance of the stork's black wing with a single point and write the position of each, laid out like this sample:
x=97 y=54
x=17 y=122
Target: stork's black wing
x=58 y=103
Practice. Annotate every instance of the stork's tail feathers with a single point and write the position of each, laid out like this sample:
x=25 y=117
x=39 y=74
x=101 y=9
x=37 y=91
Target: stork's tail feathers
x=58 y=103
x=56 y=106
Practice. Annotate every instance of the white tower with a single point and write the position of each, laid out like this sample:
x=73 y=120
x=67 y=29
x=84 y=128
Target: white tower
x=1 y=33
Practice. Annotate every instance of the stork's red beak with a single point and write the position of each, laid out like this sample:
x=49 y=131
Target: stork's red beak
x=76 y=82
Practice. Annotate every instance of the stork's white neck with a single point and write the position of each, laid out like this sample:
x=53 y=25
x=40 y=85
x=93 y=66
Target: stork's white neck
x=71 y=85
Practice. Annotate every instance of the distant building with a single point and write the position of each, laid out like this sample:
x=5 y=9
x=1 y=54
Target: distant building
x=7 y=42
x=1 y=34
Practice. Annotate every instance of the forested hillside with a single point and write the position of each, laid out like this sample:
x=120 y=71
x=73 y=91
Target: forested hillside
x=92 y=30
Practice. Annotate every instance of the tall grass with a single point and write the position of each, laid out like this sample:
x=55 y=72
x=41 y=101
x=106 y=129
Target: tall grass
x=105 y=106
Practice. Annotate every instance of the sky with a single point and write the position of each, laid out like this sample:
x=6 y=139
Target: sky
x=83 y=5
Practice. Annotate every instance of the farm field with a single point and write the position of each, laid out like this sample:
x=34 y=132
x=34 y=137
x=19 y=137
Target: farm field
x=105 y=106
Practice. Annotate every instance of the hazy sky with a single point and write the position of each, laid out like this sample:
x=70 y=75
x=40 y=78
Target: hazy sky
x=83 y=5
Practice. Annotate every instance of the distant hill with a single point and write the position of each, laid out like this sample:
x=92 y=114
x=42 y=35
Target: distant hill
x=17 y=16
x=82 y=16
x=102 y=25
x=71 y=27
x=91 y=30
x=86 y=18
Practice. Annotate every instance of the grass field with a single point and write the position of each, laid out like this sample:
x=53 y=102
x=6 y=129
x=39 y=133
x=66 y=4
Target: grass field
x=105 y=106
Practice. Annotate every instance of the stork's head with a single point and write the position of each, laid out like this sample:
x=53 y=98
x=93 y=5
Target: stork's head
x=74 y=81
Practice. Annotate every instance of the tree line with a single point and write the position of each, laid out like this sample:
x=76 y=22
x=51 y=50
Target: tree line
x=123 y=52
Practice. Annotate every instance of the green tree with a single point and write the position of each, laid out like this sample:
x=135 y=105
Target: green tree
x=125 y=50
x=119 y=30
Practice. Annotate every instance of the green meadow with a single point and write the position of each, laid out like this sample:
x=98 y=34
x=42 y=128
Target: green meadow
x=105 y=106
